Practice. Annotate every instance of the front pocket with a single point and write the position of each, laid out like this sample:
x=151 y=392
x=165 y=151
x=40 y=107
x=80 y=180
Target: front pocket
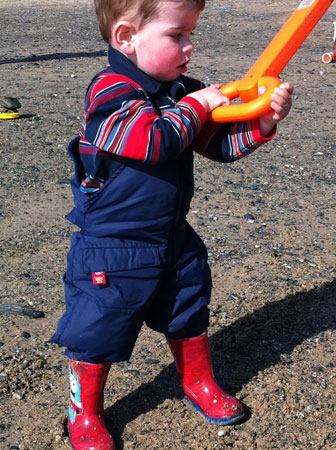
x=115 y=259
x=132 y=269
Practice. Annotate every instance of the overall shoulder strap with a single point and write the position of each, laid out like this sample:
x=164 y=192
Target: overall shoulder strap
x=114 y=77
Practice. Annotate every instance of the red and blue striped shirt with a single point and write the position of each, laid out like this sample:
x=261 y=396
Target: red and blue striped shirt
x=130 y=115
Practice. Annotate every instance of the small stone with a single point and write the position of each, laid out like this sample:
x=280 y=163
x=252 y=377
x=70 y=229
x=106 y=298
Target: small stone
x=23 y=275
x=25 y=334
x=10 y=103
x=309 y=408
x=64 y=181
x=249 y=217
x=152 y=361
x=20 y=311
x=16 y=396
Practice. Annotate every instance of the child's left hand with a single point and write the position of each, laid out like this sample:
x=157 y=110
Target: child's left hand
x=281 y=105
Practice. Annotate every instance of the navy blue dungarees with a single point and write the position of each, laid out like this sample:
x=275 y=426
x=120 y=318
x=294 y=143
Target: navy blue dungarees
x=135 y=230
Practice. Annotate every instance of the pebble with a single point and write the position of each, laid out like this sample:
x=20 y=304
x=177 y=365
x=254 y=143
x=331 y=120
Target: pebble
x=309 y=408
x=18 y=310
x=16 y=396
x=152 y=361
x=64 y=181
x=25 y=334
x=249 y=217
x=23 y=275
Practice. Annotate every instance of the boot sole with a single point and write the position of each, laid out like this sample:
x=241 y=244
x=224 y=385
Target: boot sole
x=218 y=421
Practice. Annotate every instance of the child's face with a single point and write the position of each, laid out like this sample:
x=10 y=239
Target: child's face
x=162 y=47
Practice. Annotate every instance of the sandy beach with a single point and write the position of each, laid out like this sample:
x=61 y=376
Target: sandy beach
x=268 y=222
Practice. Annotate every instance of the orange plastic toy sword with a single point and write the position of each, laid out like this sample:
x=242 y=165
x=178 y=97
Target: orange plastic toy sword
x=269 y=65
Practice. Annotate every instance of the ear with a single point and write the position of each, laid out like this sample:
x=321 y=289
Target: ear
x=123 y=34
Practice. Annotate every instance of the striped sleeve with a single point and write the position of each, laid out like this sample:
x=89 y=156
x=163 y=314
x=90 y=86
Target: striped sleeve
x=121 y=120
x=231 y=141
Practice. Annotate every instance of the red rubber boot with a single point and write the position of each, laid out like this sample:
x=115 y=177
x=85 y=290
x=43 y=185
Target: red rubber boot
x=86 y=412
x=192 y=359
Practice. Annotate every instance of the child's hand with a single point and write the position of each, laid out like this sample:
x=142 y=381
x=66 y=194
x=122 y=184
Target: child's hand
x=281 y=105
x=210 y=97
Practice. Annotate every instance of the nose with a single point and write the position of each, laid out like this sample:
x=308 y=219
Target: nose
x=188 y=46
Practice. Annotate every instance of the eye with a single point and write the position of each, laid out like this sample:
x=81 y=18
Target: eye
x=73 y=384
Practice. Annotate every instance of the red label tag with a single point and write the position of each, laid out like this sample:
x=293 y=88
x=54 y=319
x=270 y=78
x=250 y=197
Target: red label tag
x=98 y=278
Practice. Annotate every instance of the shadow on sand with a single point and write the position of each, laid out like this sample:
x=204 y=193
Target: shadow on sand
x=36 y=58
x=239 y=351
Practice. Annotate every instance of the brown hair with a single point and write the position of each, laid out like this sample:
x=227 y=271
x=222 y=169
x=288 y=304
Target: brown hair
x=108 y=11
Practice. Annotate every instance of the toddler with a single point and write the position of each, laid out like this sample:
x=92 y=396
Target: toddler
x=136 y=259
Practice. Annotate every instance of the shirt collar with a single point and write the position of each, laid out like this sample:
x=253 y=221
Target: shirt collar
x=122 y=65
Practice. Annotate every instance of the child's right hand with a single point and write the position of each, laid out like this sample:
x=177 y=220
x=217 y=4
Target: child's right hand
x=210 y=98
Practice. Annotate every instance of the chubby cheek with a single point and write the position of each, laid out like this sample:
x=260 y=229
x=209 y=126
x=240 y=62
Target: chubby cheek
x=157 y=62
